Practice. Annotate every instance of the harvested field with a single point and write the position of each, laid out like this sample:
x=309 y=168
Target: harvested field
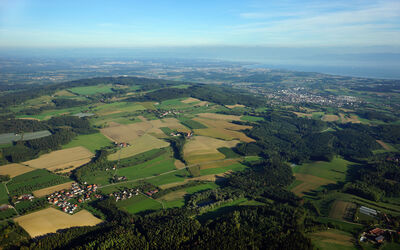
x=179 y=165
x=302 y=114
x=171 y=123
x=140 y=145
x=50 y=220
x=332 y=239
x=330 y=118
x=384 y=145
x=46 y=191
x=204 y=149
x=190 y=100
x=14 y=169
x=222 y=129
x=235 y=106
x=345 y=118
x=342 y=210
x=173 y=196
x=309 y=183
x=220 y=116
x=61 y=159
x=218 y=164
x=211 y=177
x=125 y=133
x=201 y=104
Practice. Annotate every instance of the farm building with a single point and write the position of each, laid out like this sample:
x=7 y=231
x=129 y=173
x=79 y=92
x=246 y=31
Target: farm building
x=368 y=211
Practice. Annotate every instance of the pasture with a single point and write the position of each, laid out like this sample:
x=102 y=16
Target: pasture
x=334 y=170
x=204 y=149
x=342 y=210
x=249 y=118
x=333 y=239
x=308 y=183
x=14 y=169
x=140 y=145
x=330 y=118
x=59 y=160
x=34 y=180
x=91 y=90
x=158 y=165
x=215 y=116
x=3 y=194
x=117 y=107
x=138 y=204
x=224 y=169
x=346 y=118
x=92 y=142
x=46 y=191
x=235 y=106
x=50 y=220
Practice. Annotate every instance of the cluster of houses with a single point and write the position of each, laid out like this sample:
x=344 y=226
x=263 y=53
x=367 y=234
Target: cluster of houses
x=23 y=197
x=170 y=112
x=119 y=178
x=125 y=194
x=375 y=235
x=151 y=192
x=83 y=193
x=187 y=135
x=122 y=144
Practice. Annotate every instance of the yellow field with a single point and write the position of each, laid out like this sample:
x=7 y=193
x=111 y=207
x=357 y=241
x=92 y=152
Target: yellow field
x=333 y=236
x=235 y=106
x=14 y=169
x=302 y=114
x=63 y=93
x=178 y=164
x=211 y=177
x=61 y=159
x=384 y=145
x=203 y=149
x=140 y=145
x=222 y=129
x=125 y=133
x=50 y=220
x=219 y=164
x=173 y=196
x=128 y=133
x=310 y=182
x=220 y=116
x=330 y=118
x=339 y=209
x=348 y=118
x=46 y=191
x=190 y=100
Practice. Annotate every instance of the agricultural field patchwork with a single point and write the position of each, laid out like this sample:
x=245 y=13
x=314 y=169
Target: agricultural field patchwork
x=204 y=149
x=50 y=220
x=140 y=145
x=62 y=160
x=309 y=183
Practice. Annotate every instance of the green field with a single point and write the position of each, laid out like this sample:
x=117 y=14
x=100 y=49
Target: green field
x=177 y=176
x=234 y=167
x=228 y=152
x=334 y=170
x=3 y=194
x=34 y=180
x=45 y=115
x=173 y=104
x=201 y=187
x=249 y=118
x=161 y=164
x=9 y=213
x=92 y=142
x=118 y=106
x=91 y=90
x=193 y=124
x=332 y=239
x=138 y=204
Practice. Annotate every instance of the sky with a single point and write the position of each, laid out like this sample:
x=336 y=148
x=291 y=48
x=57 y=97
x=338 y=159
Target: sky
x=153 y=23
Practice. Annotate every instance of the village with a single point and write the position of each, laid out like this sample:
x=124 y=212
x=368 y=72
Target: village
x=81 y=193
x=130 y=193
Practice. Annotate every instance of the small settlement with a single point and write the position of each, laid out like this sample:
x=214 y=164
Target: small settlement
x=81 y=193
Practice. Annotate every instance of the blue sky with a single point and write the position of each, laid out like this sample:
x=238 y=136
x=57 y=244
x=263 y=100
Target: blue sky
x=282 y=23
